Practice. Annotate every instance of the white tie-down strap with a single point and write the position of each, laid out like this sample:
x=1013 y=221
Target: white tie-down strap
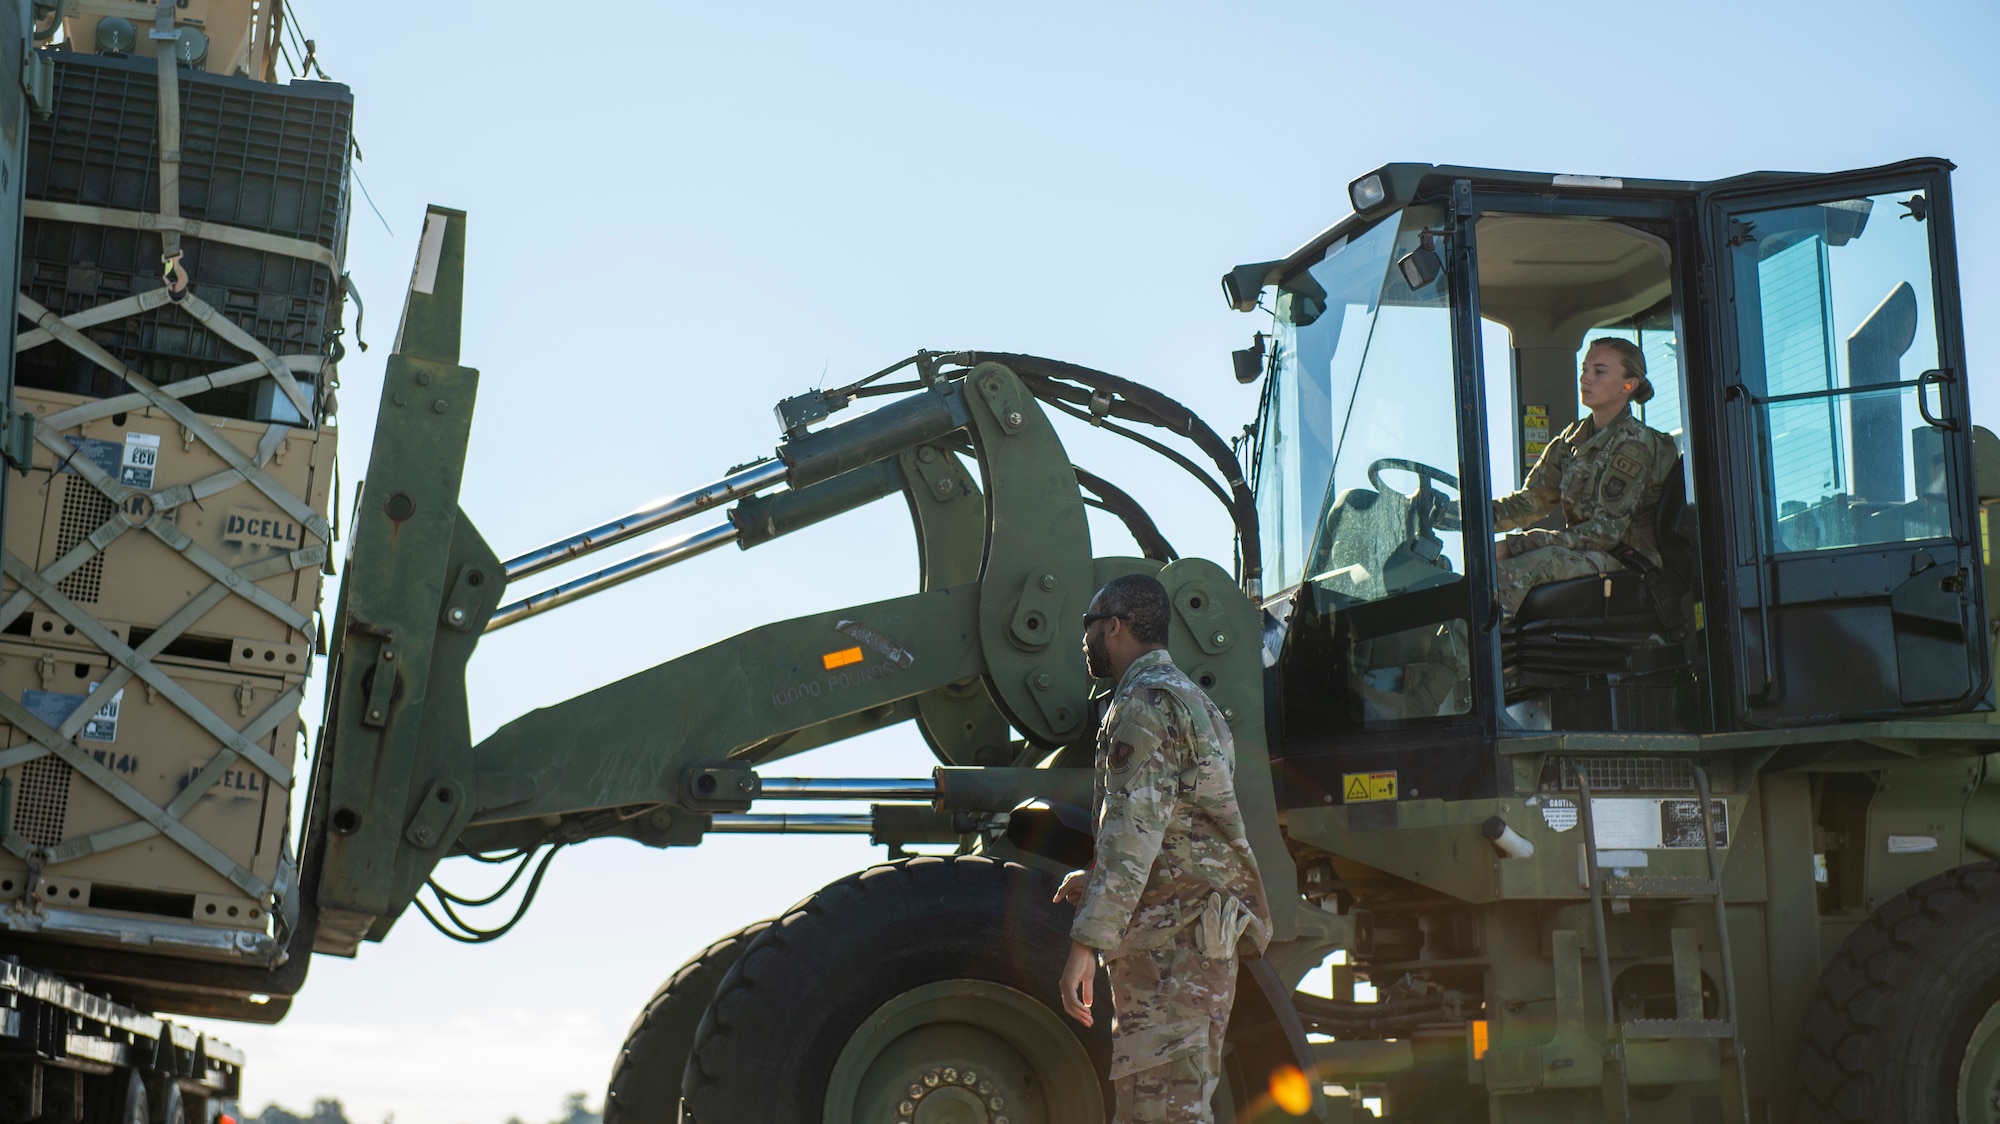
x=165 y=39
x=226 y=328
x=91 y=317
x=192 y=228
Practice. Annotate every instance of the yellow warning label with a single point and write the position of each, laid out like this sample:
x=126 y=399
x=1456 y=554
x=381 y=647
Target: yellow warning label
x=1360 y=788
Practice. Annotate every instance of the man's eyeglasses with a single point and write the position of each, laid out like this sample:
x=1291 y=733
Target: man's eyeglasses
x=1092 y=618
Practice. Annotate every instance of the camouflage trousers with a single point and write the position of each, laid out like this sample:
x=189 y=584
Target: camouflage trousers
x=1171 y=1007
x=1523 y=572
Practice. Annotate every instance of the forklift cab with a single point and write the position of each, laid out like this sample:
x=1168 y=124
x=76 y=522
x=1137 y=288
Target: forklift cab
x=1820 y=534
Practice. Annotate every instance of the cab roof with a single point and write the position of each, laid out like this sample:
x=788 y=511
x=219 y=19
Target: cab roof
x=1395 y=186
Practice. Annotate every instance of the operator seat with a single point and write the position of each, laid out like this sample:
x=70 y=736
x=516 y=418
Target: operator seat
x=1610 y=651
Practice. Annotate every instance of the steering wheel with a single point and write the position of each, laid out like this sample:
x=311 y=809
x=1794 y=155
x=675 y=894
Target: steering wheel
x=1423 y=470
x=1431 y=510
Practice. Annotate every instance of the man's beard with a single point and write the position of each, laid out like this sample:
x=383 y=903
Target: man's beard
x=1096 y=660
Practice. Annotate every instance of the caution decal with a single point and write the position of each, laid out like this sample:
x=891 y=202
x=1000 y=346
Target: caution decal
x=1361 y=788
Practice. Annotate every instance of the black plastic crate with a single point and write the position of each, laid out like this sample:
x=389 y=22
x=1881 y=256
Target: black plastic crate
x=254 y=155
x=281 y=301
x=262 y=157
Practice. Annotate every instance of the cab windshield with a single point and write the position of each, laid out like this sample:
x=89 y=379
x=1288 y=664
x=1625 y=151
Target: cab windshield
x=1357 y=458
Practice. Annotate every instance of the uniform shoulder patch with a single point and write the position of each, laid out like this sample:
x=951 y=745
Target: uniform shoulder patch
x=1120 y=758
x=1625 y=465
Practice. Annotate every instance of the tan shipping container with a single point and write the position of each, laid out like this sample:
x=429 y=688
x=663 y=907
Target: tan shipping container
x=138 y=580
x=83 y=858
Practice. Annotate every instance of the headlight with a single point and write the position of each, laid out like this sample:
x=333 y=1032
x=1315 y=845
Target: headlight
x=1366 y=192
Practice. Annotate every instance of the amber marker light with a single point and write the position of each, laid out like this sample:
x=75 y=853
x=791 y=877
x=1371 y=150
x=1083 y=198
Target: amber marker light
x=1478 y=1039
x=841 y=658
x=1291 y=1091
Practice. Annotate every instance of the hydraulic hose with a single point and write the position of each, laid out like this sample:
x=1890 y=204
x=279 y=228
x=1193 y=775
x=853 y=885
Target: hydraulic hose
x=1113 y=499
x=1153 y=408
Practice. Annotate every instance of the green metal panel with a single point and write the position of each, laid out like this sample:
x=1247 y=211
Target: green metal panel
x=1035 y=581
x=958 y=721
x=631 y=742
x=396 y=690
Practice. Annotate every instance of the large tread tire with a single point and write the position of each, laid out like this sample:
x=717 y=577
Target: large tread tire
x=1893 y=1014
x=646 y=1079
x=783 y=1015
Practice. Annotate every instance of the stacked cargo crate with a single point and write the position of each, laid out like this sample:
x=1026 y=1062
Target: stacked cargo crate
x=164 y=552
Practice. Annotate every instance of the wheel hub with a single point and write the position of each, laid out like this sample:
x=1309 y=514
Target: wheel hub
x=950 y=1095
x=962 y=1052
x=1979 y=1072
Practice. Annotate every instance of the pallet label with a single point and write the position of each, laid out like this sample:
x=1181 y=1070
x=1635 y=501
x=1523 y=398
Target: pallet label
x=141 y=460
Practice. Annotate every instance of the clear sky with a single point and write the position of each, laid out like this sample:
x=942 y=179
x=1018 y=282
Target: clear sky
x=681 y=213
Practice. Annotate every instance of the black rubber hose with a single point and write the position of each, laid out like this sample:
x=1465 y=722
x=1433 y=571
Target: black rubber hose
x=1113 y=499
x=1056 y=402
x=1345 y=1017
x=1166 y=413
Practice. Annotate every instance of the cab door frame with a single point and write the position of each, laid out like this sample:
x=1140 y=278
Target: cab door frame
x=1821 y=594
x=1675 y=213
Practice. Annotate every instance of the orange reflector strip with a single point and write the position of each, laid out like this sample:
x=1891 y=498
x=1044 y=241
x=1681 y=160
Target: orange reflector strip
x=1478 y=1039
x=1290 y=1090
x=841 y=658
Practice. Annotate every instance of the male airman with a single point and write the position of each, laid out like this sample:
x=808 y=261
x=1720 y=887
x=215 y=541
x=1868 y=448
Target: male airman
x=1174 y=888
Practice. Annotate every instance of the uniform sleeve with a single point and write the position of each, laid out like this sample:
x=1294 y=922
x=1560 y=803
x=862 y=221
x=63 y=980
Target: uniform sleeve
x=1537 y=497
x=1140 y=792
x=1619 y=489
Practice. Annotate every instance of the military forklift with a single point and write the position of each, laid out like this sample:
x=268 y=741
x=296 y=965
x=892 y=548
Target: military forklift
x=1712 y=840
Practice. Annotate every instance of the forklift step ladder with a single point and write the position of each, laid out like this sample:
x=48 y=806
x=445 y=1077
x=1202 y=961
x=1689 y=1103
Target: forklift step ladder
x=1689 y=1021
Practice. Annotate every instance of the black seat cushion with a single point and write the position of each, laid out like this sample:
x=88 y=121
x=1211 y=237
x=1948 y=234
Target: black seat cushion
x=1598 y=597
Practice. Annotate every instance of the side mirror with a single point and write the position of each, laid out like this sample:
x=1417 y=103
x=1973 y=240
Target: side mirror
x=1422 y=265
x=1244 y=284
x=1249 y=361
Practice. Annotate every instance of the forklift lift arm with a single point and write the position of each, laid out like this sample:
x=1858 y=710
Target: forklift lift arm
x=986 y=648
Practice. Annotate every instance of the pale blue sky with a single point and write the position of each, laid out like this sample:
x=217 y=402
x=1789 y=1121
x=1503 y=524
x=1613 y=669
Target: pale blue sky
x=680 y=214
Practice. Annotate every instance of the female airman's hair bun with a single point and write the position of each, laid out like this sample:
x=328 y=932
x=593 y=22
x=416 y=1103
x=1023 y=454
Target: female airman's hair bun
x=1635 y=365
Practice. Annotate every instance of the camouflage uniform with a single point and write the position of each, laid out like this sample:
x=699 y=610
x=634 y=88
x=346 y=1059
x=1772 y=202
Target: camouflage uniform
x=1169 y=834
x=1607 y=483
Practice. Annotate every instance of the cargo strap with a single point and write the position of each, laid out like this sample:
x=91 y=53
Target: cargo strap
x=166 y=43
x=176 y=225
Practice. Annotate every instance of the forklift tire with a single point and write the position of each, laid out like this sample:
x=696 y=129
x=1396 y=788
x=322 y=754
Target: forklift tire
x=646 y=1078
x=1905 y=1024
x=925 y=978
